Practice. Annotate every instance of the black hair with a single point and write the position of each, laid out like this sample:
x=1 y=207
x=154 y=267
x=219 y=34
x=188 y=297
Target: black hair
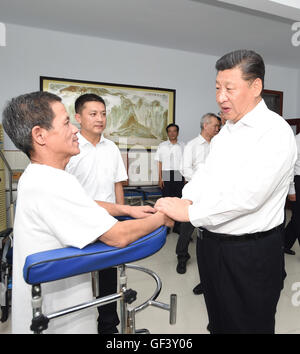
x=172 y=125
x=87 y=97
x=251 y=64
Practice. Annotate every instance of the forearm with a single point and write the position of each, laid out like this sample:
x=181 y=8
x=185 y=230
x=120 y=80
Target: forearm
x=160 y=171
x=187 y=164
x=115 y=209
x=119 y=193
x=126 y=232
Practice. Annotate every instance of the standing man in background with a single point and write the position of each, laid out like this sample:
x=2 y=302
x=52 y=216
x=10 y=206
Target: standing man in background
x=195 y=153
x=292 y=231
x=237 y=200
x=169 y=156
x=100 y=170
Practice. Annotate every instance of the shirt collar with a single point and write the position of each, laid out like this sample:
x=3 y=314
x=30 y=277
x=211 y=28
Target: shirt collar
x=202 y=140
x=169 y=142
x=252 y=118
x=83 y=141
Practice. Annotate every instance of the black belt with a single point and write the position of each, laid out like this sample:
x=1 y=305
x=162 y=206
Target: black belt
x=203 y=233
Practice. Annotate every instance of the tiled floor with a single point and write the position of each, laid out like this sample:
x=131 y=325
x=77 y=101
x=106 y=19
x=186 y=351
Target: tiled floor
x=191 y=311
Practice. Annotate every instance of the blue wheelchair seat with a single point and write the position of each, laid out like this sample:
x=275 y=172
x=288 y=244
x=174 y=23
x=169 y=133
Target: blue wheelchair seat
x=66 y=262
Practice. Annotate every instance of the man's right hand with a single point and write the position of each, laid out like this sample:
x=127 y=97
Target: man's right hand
x=174 y=207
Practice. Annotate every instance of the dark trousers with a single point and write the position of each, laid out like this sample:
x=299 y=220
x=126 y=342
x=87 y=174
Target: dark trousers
x=108 y=318
x=173 y=184
x=242 y=281
x=292 y=231
x=186 y=231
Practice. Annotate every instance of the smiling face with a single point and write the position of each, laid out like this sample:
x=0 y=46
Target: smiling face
x=61 y=138
x=92 y=119
x=236 y=96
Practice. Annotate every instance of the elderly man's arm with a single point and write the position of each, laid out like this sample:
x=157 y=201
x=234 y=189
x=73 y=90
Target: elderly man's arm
x=136 y=212
x=128 y=231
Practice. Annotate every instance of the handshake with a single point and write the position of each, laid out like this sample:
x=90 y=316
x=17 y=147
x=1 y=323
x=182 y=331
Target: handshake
x=175 y=208
x=172 y=208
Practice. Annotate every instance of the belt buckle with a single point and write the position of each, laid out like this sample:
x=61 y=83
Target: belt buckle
x=200 y=233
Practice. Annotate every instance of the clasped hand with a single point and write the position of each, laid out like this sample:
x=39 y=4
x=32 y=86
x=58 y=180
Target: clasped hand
x=175 y=208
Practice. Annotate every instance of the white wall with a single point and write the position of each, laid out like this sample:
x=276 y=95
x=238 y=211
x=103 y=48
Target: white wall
x=31 y=53
x=286 y=80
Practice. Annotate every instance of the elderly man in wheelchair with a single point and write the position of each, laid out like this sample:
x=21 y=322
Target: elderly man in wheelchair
x=57 y=228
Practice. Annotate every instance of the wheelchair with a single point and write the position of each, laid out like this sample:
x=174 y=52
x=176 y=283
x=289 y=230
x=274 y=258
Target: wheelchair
x=5 y=272
x=66 y=262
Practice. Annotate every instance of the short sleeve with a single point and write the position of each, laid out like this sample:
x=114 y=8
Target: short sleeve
x=71 y=215
x=120 y=173
x=157 y=156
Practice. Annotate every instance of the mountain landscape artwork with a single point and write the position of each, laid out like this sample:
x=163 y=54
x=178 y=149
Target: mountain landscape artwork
x=137 y=116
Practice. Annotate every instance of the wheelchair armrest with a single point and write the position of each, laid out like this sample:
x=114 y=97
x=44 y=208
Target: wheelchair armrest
x=66 y=262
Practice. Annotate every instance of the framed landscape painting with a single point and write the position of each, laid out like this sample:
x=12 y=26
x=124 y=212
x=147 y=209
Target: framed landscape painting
x=137 y=116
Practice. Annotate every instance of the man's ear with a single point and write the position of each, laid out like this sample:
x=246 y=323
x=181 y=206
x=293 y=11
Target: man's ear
x=257 y=86
x=78 y=118
x=38 y=135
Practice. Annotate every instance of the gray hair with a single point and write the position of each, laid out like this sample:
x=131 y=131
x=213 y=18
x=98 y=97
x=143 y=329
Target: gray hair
x=206 y=118
x=23 y=113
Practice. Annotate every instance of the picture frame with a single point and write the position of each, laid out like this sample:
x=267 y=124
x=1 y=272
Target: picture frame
x=137 y=116
x=274 y=100
x=295 y=125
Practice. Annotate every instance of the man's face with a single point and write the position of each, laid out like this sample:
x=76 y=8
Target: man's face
x=61 y=138
x=92 y=118
x=236 y=96
x=213 y=127
x=172 y=133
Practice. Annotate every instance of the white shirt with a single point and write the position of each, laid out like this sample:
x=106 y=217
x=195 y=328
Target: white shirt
x=54 y=211
x=297 y=165
x=195 y=153
x=170 y=155
x=98 y=168
x=242 y=186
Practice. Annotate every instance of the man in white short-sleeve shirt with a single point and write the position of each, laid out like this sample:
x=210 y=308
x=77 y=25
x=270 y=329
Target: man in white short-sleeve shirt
x=169 y=158
x=100 y=170
x=99 y=166
x=53 y=210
